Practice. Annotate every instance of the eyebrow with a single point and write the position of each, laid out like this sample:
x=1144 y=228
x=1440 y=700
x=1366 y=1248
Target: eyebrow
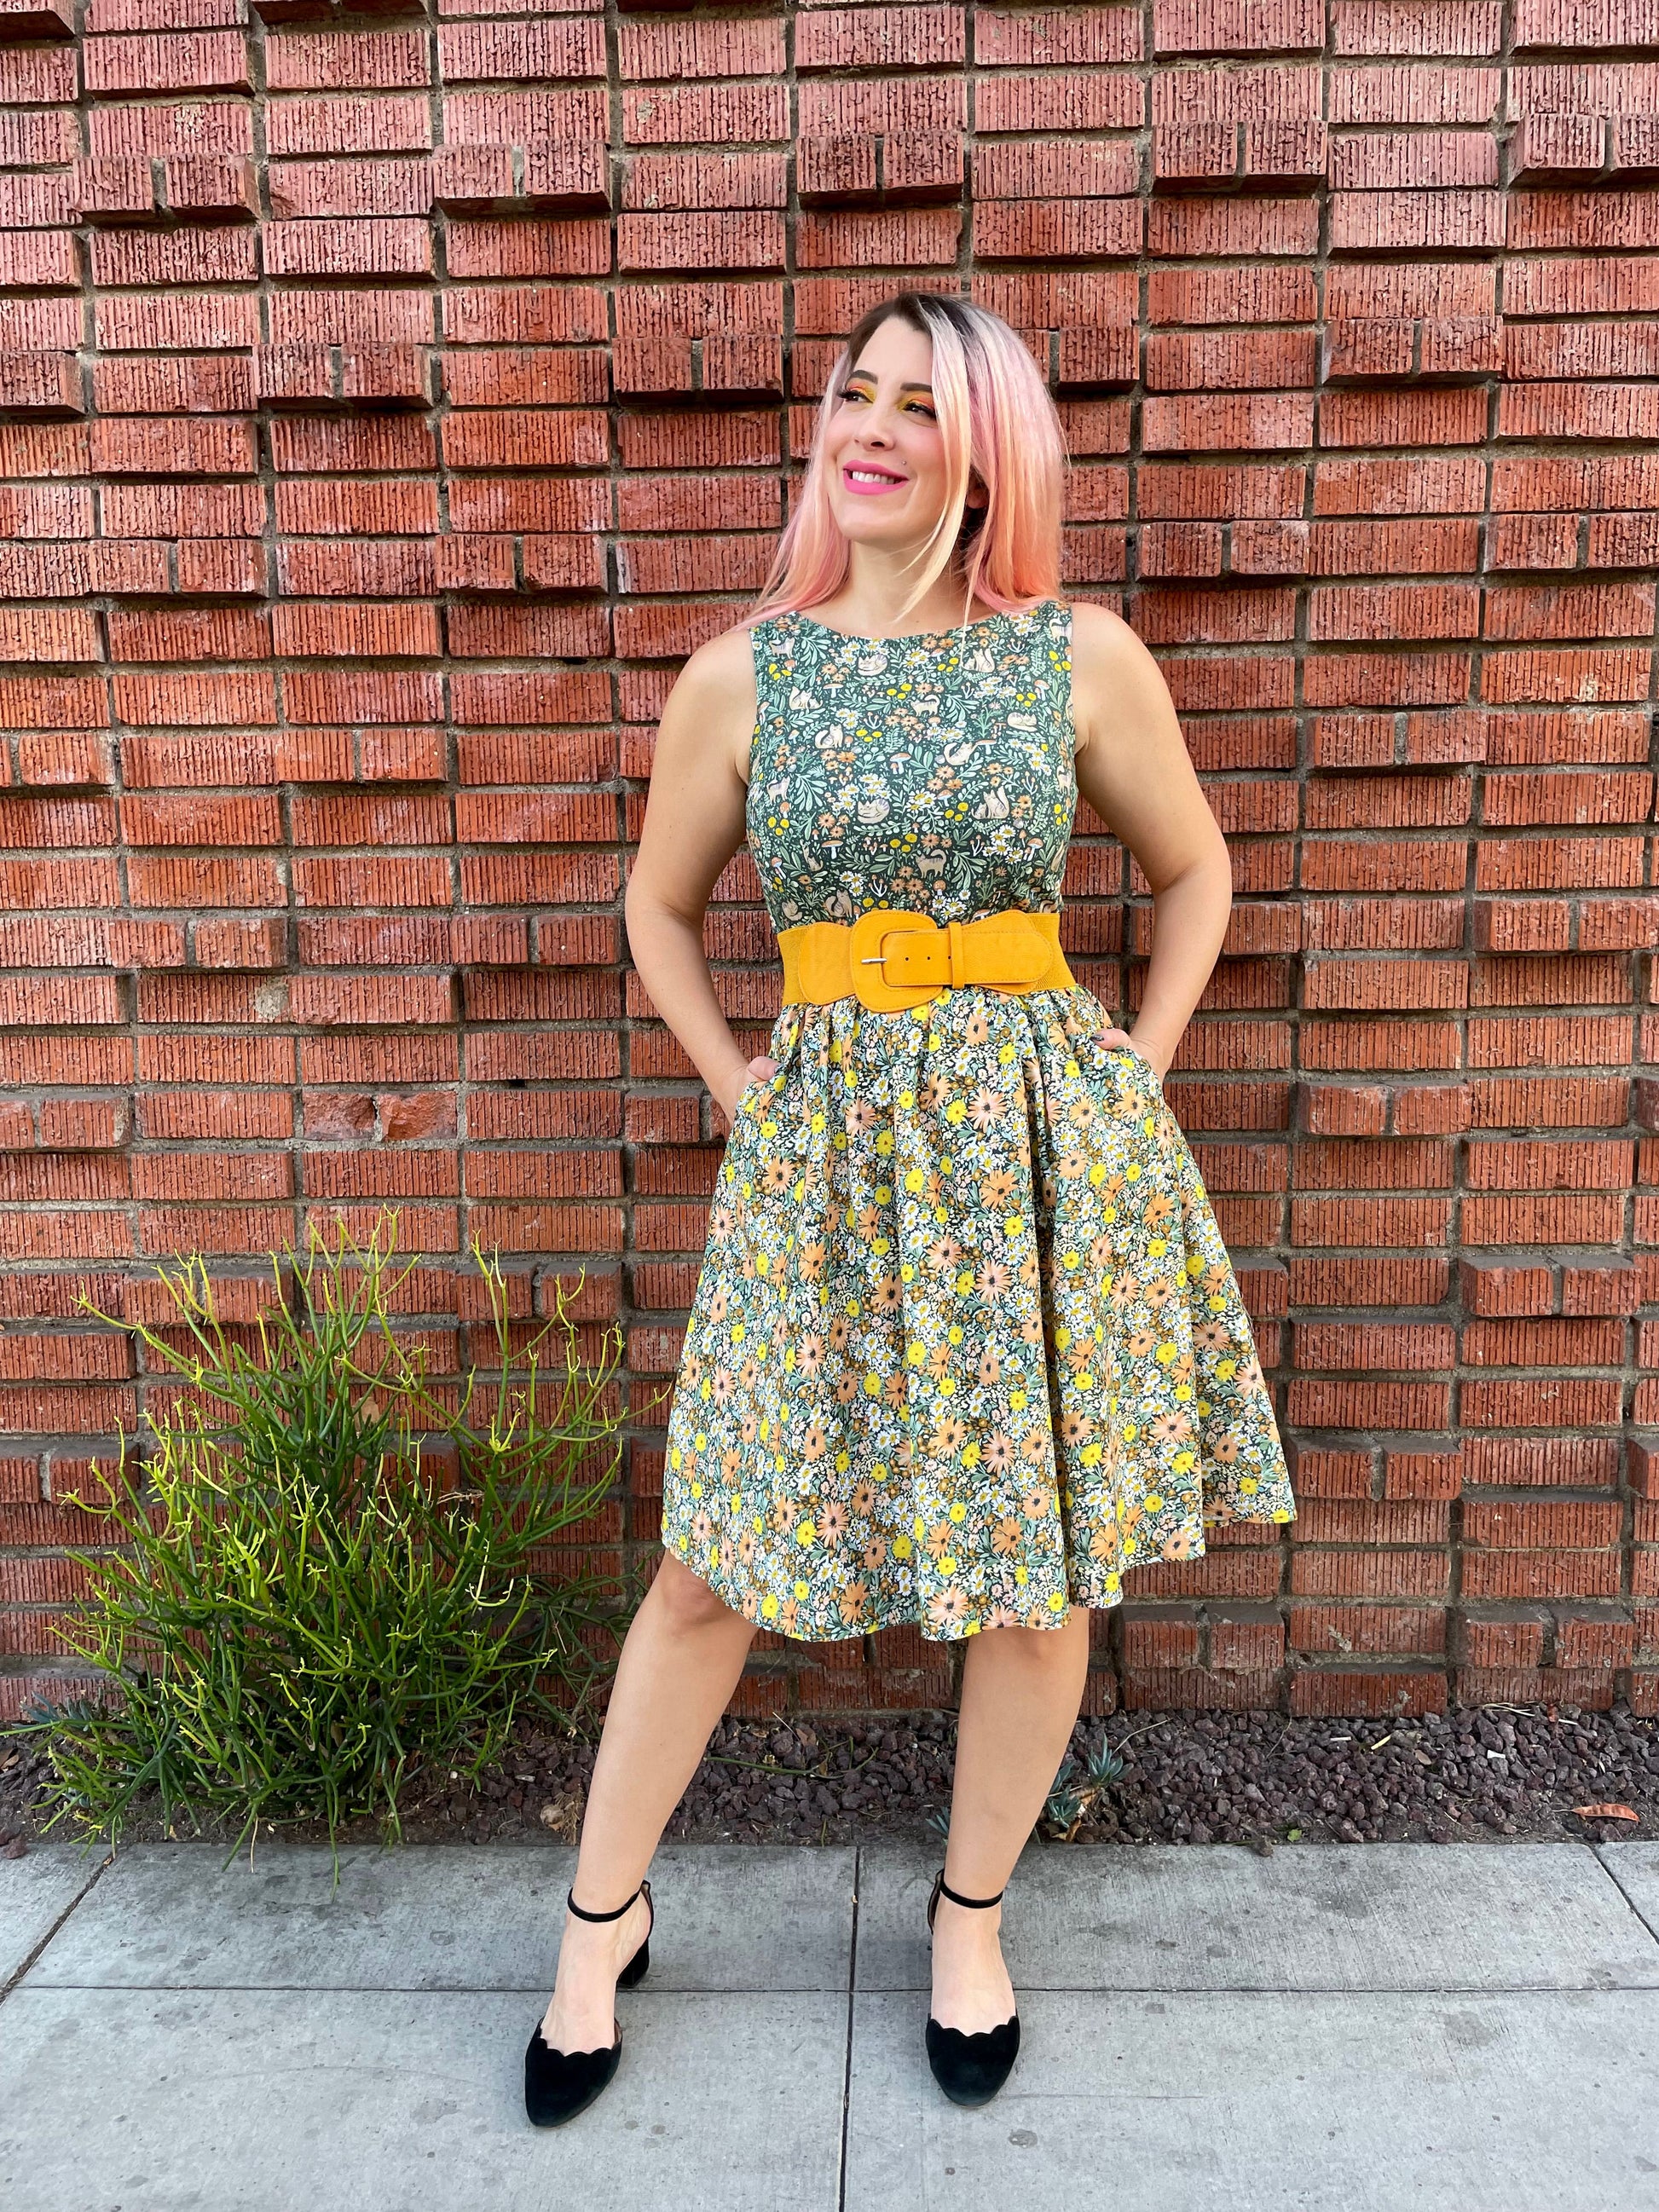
x=869 y=376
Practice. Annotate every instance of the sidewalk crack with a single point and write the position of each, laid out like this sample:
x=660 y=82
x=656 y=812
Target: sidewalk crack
x=1624 y=1893
x=846 y=2062
x=51 y=1936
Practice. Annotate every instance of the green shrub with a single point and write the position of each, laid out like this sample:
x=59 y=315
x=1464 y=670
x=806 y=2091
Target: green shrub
x=335 y=1590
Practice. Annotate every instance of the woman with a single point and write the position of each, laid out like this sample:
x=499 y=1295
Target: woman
x=966 y=1343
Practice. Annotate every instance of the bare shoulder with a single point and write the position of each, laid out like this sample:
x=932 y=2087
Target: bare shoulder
x=1097 y=631
x=1111 y=670
x=716 y=692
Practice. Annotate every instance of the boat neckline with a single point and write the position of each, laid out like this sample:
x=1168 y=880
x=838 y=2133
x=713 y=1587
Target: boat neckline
x=914 y=636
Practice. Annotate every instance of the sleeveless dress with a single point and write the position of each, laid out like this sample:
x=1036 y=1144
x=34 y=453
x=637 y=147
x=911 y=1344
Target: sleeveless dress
x=966 y=1343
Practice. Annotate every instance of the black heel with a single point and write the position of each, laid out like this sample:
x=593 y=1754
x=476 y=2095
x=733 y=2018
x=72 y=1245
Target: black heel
x=634 y=1972
x=559 y=2084
x=970 y=2069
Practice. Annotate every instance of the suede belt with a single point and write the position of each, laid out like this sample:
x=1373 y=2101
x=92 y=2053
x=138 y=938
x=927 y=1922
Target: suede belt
x=890 y=957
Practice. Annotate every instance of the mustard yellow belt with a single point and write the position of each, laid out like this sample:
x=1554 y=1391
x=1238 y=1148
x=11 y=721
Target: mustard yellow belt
x=890 y=957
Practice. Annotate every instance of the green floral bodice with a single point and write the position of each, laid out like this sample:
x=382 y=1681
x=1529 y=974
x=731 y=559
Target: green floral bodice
x=892 y=773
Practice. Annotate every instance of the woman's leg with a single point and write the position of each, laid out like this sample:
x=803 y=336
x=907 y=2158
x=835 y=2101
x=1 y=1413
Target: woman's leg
x=680 y=1662
x=1021 y=1689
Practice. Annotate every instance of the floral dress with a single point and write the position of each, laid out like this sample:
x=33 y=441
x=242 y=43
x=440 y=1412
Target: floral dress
x=966 y=1343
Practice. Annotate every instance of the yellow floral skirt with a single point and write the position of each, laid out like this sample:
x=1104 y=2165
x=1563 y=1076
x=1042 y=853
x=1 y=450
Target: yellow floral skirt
x=966 y=1344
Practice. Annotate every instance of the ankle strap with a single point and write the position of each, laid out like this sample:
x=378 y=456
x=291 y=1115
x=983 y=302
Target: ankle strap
x=570 y=1899
x=956 y=1897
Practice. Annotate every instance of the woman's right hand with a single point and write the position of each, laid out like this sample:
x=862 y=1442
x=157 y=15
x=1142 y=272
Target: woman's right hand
x=759 y=1069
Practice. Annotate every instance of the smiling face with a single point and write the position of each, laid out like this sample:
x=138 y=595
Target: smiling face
x=884 y=454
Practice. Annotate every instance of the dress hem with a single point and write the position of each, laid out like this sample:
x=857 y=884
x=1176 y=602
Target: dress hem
x=1181 y=1551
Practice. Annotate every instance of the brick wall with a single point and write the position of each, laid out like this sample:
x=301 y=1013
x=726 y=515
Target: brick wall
x=390 y=398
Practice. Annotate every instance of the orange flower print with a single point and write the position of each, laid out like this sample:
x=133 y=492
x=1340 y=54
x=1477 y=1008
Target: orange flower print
x=950 y=1607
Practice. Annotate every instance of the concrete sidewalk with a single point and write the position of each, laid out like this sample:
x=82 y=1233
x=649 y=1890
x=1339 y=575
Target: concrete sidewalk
x=1362 y=2028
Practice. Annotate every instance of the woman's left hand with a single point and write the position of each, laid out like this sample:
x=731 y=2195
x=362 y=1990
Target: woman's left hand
x=1112 y=1037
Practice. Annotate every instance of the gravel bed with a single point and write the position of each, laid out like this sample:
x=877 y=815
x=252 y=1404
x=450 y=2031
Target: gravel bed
x=1480 y=1773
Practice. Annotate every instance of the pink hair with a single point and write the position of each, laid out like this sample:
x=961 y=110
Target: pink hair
x=996 y=421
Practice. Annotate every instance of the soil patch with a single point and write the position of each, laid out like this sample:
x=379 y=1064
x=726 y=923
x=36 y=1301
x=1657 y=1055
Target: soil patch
x=1480 y=1773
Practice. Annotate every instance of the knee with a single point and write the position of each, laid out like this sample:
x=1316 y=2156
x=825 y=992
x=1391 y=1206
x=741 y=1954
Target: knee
x=686 y=1600
x=1052 y=1649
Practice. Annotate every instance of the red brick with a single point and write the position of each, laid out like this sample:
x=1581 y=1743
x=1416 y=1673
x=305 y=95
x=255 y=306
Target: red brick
x=186 y=61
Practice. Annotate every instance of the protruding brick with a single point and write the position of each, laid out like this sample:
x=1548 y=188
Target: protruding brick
x=572 y=174
x=37 y=19
x=1575 y=145
x=326 y=11
x=151 y=188
x=881 y=167
x=40 y=383
x=308 y=378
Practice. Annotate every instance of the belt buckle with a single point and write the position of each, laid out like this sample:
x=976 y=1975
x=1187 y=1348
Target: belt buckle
x=866 y=951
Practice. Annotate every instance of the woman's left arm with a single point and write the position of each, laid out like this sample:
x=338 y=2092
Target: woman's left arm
x=1133 y=769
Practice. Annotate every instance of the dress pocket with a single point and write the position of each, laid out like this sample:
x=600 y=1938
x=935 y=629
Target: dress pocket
x=753 y=1102
x=763 y=1089
x=1126 y=1054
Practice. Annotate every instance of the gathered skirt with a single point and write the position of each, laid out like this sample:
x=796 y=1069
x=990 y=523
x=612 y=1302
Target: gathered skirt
x=966 y=1344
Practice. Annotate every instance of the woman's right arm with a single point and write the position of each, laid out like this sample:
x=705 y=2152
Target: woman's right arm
x=693 y=822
